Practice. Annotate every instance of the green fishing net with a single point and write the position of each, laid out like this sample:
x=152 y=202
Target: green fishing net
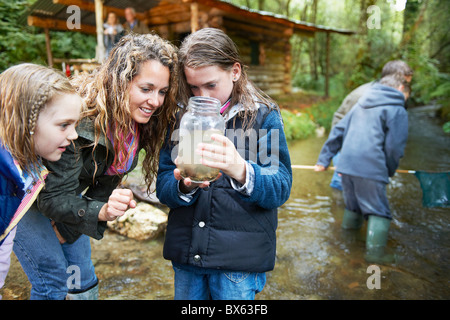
x=435 y=188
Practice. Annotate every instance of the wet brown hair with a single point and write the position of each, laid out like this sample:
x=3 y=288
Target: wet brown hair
x=212 y=47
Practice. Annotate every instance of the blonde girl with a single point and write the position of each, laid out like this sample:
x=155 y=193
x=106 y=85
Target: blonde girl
x=39 y=111
x=130 y=101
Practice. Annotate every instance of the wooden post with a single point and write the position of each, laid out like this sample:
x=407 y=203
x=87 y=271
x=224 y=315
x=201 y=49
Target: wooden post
x=100 y=49
x=48 y=48
x=287 y=87
x=194 y=17
x=327 y=67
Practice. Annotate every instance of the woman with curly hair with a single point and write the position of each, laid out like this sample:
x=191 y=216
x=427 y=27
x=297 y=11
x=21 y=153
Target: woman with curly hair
x=129 y=103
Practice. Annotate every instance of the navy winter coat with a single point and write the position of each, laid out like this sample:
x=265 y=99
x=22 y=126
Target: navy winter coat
x=16 y=195
x=11 y=190
x=221 y=228
x=371 y=137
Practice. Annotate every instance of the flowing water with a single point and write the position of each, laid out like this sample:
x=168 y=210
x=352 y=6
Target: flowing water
x=315 y=258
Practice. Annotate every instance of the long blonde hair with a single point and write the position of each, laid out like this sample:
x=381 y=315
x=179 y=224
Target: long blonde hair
x=106 y=95
x=213 y=47
x=25 y=90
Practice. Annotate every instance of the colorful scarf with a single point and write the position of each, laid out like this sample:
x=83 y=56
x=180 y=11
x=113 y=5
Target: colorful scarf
x=225 y=106
x=123 y=161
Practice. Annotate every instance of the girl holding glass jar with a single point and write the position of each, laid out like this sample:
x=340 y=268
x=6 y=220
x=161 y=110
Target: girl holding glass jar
x=221 y=234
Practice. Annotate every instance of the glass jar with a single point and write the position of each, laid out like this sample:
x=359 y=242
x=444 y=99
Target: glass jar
x=201 y=120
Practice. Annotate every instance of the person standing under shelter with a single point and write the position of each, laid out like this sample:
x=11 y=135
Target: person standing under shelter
x=133 y=24
x=391 y=67
x=113 y=31
x=371 y=138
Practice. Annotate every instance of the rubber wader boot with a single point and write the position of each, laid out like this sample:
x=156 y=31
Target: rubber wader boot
x=376 y=240
x=89 y=294
x=352 y=220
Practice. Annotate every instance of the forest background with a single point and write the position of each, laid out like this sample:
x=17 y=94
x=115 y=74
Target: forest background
x=416 y=31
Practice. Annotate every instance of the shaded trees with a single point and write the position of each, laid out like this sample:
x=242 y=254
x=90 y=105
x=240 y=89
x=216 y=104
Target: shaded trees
x=20 y=43
x=418 y=33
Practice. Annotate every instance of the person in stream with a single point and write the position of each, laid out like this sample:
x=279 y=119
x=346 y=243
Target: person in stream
x=39 y=111
x=371 y=138
x=221 y=235
x=391 y=67
x=129 y=100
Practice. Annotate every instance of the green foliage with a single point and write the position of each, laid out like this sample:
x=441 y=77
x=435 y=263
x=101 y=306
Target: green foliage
x=297 y=125
x=322 y=112
x=20 y=43
x=446 y=127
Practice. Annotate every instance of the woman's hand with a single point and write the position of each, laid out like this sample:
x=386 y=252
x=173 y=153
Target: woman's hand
x=58 y=235
x=119 y=202
x=223 y=155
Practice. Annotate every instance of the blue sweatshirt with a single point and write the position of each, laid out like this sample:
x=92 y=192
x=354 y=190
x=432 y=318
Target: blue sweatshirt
x=371 y=137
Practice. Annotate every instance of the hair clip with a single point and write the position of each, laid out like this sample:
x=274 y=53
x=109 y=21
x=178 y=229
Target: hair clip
x=31 y=132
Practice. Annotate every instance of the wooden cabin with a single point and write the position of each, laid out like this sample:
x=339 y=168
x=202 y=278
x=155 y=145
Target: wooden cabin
x=263 y=38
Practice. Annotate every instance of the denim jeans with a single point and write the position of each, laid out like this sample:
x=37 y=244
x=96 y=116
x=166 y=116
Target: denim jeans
x=5 y=256
x=336 y=181
x=53 y=269
x=198 y=285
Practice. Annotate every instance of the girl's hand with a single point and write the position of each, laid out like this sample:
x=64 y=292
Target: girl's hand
x=224 y=156
x=186 y=184
x=119 y=201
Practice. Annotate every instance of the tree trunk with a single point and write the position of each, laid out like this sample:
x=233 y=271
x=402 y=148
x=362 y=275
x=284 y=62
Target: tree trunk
x=414 y=14
x=261 y=5
x=315 y=55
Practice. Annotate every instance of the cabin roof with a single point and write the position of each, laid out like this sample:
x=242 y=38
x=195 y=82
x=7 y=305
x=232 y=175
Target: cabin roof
x=53 y=14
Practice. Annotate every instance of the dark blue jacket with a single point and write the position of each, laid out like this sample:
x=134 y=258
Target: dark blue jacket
x=221 y=228
x=372 y=136
x=11 y=190
x=16 y=195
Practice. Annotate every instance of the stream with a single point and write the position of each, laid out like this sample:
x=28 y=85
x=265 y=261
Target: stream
x=315 y=259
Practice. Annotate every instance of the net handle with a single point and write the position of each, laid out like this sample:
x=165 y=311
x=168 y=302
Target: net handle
x=299 y=166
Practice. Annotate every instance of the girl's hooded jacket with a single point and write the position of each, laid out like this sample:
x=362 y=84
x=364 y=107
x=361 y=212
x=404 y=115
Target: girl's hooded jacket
x=371 y=137
x=222 y=228
x=16 y=196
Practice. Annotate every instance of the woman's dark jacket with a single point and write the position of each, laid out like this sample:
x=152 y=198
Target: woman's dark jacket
x=75 y=190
